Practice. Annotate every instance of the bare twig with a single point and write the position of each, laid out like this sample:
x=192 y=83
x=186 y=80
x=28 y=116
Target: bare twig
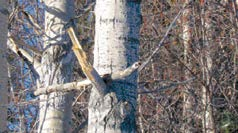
x=160 y=89
x=161 y=41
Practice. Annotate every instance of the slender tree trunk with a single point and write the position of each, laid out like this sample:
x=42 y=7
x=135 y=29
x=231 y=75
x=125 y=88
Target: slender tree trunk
x=3 y=68
x=55 y=112
x=234 y=18
x=207 y=119
x=116 y=48
x=187 y=97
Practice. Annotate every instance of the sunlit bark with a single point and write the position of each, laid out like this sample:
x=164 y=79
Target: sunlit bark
x=116 y=48
x=206 y=60
x=55 y=112
x=187 y=96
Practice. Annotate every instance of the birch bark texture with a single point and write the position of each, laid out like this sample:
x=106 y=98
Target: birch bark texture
x=116 y=48
x=3 y=68
x=206 y=61
x=55 y=108
x=187 y=41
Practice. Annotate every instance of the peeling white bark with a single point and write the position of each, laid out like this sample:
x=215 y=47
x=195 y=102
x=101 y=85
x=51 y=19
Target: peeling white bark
x=55 y=114
x=116 y=48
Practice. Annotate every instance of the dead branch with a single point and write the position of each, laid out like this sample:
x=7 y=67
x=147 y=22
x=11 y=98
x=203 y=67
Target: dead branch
x=87 y=68
x=63 y=87
x=161 y=41
x=32 y=63
x=22 y=43
x=86 y=83
x=170 y=86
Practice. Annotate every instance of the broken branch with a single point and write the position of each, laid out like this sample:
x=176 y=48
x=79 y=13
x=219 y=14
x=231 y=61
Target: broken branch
x=22 y=43
x=32 y=63
x=87 y=68
x=86 y=83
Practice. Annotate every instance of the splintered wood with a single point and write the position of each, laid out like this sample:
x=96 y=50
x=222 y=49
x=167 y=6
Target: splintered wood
x=87 y=68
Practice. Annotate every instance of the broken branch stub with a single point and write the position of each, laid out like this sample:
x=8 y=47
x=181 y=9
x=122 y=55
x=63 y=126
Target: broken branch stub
x=86 y=83
x=87 y=68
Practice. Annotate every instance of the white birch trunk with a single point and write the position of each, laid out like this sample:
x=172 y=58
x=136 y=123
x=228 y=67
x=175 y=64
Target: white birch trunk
x=116 y=48
x=187 y=98
x=207 y=119
x=3 y=68
x=55 y=114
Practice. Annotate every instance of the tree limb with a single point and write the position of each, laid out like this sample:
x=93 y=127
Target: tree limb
x=32 y=63
x=161 y=41
x=86 y=83
x=87 y=68
x=32 y=22
x=63 y=87
x=163 y=88
x=22 y=43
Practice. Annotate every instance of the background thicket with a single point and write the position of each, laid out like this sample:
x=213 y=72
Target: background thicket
x=163 y=83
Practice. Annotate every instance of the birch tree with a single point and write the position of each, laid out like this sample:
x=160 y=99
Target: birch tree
x=206 y=61
x=3 y=67
x=56 y=68
x=187 y=40
x=116 y=48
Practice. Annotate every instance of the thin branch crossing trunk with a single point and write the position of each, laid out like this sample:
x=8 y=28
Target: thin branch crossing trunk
x=56 y=64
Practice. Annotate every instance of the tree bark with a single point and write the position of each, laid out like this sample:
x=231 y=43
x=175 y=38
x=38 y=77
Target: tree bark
x=116 y=48
x=187 y=97
x=3 y=68
x=56 y=65
x=206 y=60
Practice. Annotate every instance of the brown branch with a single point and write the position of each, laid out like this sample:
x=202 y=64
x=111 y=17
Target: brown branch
x=87 y=68
x=32 y=22
x=163 y=88
x=162 y=40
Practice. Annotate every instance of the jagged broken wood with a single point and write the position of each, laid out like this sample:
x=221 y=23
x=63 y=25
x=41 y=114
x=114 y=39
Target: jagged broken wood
x=87 y=68
x=93 y=77
x=86 y=83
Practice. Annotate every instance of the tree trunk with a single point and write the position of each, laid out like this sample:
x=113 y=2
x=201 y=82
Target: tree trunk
x=3 y=68
x=116 y=48
x=206 y=60
x=55 y=108
x=187 y=97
